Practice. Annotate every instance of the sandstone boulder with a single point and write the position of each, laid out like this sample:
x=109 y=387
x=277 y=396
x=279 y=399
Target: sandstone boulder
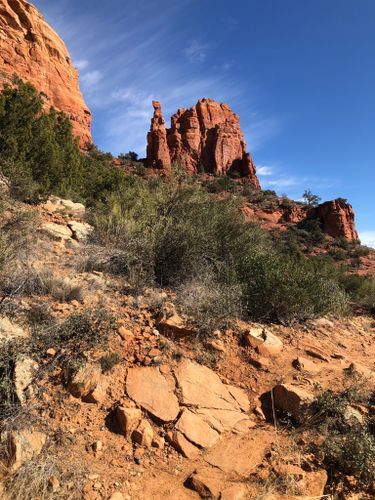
x=206 y=482
x=128 y=419
x=24 y=371
x=10 y=330
x=265 y=342
x=87 y=383
x=59 y=232
x=143 y=434
x=55 y=204
x=292 y=399
x=80 y=230
x=22 y=446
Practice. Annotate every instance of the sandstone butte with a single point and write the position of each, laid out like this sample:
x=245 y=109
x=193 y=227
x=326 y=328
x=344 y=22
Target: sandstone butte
x=30 y=49
x=206 y=138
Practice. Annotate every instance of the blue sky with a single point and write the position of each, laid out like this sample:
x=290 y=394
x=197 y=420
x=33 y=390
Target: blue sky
x=301 y=74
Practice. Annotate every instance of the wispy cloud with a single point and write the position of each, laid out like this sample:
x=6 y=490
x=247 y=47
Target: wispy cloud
x=91 y=78
x=196 y=51
x=264 y=171
x=81 y=64
x=367 y=238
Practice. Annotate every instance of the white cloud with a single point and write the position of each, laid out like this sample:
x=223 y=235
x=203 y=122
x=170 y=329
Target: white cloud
x=282 y=182
x=91 y=78
x=367 y=238
x=81 y=64
x=196 y=51
x=264 y=171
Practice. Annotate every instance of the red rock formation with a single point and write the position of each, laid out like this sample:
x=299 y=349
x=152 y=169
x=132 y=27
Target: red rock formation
x=32 y=50
x=157 y=147
x=337 y=219
x=205 y=138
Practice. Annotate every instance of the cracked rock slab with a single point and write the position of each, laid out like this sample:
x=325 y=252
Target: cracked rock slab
x=196 y=430
x=150 y=390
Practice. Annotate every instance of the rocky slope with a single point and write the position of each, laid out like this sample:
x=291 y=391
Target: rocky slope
x=205 y=138
x=173 y=416
x=31 y=49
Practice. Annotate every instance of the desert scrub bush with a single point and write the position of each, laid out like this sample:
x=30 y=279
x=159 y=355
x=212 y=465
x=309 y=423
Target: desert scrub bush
x=353 y=453
x=36 y=479
x=109 y=361
x=361 y=290
x=168 y=234
x=211 y=303
x=287 y=289
x=78 y=333
x=349 y=445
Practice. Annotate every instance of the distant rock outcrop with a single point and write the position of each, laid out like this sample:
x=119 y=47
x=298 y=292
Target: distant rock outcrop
x=30 y=49
x=337 y=219
x=206 y=138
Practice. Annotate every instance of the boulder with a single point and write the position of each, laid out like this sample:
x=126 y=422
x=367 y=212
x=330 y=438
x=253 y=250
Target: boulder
x=24 y=371
x=206 y=482
x=292 y=399
x=305 y=365
x=150 y=390
x=10 y=330
x=201 y=386
x=265 y=342
x=80 y=230
x=57 y=232
x=55 y=204
x=84 y=382
x=34 y=52
x=22 y=447
x=128 y=419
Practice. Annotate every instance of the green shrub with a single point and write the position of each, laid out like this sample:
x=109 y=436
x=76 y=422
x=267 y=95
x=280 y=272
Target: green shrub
x=352 y=453
x=79 y=333
x=168 y=234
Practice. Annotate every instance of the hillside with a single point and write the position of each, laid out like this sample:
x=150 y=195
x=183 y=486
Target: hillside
x=168 y=329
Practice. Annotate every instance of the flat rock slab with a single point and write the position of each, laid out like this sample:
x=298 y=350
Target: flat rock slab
x=202 y=387
x=151 y=391
x=240 y=455
x=197 y=430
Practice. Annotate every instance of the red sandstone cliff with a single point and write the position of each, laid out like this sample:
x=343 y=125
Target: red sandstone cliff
x=205 y=138
x=32 y=50
x=337 y=219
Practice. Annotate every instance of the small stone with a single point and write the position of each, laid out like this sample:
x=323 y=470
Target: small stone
x=143 y=434
x=53 y=484
x=97 y=446
x=125 y=333
x=154 y=352
x=51 y=352
x=158 y=442
x=117 y=496
x=182 y=445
